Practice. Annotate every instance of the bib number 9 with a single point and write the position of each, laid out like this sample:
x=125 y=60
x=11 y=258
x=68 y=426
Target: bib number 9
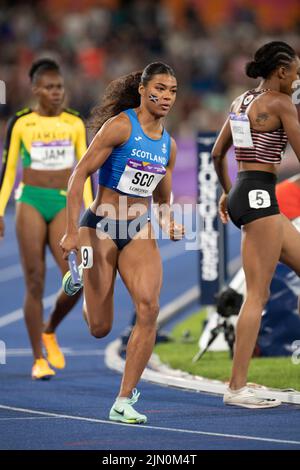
x=87 y=257
x=259 y=199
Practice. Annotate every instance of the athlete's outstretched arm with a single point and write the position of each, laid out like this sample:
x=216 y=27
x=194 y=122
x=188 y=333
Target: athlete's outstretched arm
x=221 y=147
x=161 y=199
x=114 y=132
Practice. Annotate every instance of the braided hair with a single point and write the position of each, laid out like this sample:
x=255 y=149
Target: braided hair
x=268 y=58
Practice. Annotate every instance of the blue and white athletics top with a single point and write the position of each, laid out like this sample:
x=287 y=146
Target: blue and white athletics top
x=137 y=166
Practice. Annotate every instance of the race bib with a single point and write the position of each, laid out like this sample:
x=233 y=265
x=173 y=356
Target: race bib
x=259 y=199
x=56 y=155
x=240 y=130
x=87 y=257
x=140 y=178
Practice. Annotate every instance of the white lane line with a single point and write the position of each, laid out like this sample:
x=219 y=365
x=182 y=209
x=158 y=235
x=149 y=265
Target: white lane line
x=15 y=271
x=167 y=252
x=30 y=417
x=11 y=272
x=178 y=303
x=67 y=352
x=159 y=428
x=7 y=250
x=172 y=250
x=18 y=314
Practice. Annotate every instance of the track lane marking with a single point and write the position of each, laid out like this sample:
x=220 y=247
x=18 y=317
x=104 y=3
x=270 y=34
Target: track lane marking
x=159 y=428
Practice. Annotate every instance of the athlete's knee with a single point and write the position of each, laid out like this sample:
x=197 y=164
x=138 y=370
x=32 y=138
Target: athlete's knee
x=100 y=330
x=35 y=283
x=259 y=296
x=147 y=312
x=264 y=295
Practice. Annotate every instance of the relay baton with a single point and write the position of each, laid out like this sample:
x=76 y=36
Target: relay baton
x=72 y=260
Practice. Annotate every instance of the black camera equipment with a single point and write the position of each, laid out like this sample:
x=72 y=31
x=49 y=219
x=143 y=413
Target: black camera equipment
x=228 y=303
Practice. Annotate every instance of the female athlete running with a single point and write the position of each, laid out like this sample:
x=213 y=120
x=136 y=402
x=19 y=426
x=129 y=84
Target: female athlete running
x=136 y=157
x=260 y=124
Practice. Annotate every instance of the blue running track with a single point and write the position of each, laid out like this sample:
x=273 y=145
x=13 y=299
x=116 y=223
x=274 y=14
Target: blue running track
x=71 y=410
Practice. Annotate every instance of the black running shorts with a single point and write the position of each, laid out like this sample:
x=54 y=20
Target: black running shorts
x=252 y=197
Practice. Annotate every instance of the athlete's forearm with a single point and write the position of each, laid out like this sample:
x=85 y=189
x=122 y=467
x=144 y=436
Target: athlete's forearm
x=161 y=203
x=163 y=213
x=218 y=153
x=6 y=189
x=220 y=164
x=74 y=200
x=9 y=170
x=162 y=209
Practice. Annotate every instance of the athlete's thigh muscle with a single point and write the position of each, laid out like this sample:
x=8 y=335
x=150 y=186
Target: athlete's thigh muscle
x=98 y=279
x=32 y=235
x=140 y=267
x=261 y=247
x=56 y=230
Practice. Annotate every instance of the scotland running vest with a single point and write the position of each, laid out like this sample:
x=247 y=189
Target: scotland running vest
x=137 y=166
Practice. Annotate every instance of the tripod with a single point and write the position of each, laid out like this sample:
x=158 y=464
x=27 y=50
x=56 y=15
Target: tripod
x=228 y=330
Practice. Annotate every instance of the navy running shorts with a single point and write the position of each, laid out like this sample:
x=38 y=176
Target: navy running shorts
x=120 y=231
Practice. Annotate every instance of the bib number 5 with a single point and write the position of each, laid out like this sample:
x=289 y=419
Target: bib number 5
x=259 y=199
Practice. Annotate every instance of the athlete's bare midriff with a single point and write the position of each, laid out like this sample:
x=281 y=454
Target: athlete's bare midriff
x=124 y=206
x=248 y=166
x=56 y=179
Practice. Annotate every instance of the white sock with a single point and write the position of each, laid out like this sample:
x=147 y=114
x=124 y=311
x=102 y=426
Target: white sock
x=122 y=399
x=237 y=391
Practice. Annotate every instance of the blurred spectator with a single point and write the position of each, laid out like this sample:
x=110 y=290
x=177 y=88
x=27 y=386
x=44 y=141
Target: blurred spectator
x=95 y=41
x=207 y=43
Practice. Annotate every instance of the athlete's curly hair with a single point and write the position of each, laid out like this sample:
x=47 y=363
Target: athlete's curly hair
x=268 y=57
x=123 y=93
